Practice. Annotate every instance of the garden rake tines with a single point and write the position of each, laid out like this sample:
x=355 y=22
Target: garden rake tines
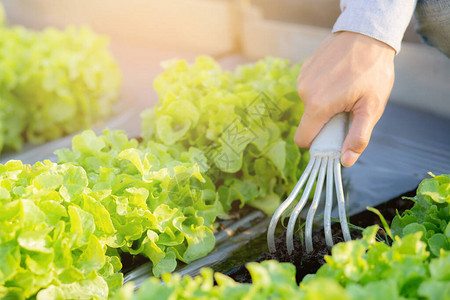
x=325 y=159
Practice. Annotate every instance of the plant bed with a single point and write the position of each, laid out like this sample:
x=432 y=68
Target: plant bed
x=413 y=263
x=309 y=263
x=232 y=257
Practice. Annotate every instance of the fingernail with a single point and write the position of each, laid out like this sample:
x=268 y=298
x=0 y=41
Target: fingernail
x=349 y=158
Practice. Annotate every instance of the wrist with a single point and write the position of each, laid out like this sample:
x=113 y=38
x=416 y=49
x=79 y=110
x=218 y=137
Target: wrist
x=365 y=43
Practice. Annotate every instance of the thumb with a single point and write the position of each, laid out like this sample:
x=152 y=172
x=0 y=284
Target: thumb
x=358 y=136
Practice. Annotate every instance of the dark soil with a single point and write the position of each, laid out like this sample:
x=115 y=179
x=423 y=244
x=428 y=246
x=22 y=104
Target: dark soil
x=130 y=262
x=309 y=263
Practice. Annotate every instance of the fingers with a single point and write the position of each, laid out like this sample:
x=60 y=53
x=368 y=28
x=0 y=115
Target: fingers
x=359 y=134
x=312 y=121
x=319 y=108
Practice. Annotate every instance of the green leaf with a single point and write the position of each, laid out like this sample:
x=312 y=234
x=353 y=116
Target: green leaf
x=31 y=214
x=4 y=194
x=171 y=133
x=102 y=218
x=53 y=210
x=383 y=221
x=277 y=154
x=268 y=204
x=133 y=155
x=165 y=265
x=154 y=289
x=10 y=258
x=151 y=249
x=11 y=293
x=413 y=228
x=315 y=289
x=35 y=241
x=437 y=188
x=200 y=240
x=87 y=142
x=92 y=287
x=75 y=182
x=82 y=225
x=377 y=290
x=435 y=290
x=40 y=263
x=440 y=267
x=47 y=181
x=93 y=256
x=437 y=242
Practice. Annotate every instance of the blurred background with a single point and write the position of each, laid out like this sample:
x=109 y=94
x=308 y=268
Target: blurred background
x=143 y=33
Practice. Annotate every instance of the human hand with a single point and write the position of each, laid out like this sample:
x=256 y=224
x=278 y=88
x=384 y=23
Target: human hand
x=348 y=72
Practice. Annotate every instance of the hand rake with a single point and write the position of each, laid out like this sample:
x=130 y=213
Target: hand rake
x=325 y=154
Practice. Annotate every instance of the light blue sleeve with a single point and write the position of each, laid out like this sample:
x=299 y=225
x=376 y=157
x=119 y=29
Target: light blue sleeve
x=384 y=20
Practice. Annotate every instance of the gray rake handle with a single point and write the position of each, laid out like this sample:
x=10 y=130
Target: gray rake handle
x=325 y=153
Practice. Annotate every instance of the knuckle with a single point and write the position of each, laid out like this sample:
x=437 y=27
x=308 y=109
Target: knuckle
x=366 y=113
x=306 y=64
x=315 y=104
x=302 y=90
x=374 y=108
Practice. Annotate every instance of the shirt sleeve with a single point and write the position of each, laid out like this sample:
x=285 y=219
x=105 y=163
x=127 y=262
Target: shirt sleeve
x=384 y=20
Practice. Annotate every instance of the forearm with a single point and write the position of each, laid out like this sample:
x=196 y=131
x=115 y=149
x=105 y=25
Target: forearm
x=384 y=20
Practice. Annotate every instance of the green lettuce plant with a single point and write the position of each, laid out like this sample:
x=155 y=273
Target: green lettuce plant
x=53 y=83
x=159 y=203
x=243 y=123
x=63 y=225
x=429 y=215
x=51 y=243
x=369 y=269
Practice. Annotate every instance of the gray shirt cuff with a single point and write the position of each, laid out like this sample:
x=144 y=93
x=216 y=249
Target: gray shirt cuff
x=384 y=20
